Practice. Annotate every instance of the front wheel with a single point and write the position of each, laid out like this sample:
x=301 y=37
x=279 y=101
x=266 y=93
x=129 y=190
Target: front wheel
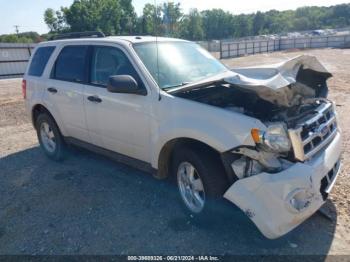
x=191 y=187
x=200 y=179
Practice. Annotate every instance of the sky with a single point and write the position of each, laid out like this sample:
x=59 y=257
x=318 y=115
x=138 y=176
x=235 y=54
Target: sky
x=28 y=14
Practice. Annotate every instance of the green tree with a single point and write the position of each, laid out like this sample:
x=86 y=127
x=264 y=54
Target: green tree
x=339 y=16
x=93 y=15
x=128 y=17
x=242 y=26
x=11 y=38
x=55 y=20
x=171 y=16
x=50 y=19
x=109 y=16
x=218 y=24
x=191 y=26
x=258 y=23
x=118 y=17
x=150 y=20
x=26 y=37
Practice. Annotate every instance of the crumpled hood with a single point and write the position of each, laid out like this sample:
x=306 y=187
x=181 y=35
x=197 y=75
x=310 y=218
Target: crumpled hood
x=286 y=83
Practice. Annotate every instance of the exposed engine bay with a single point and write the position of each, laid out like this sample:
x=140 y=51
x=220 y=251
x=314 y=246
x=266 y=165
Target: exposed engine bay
x=289 y=98
x=249 y=103
x=269 y=102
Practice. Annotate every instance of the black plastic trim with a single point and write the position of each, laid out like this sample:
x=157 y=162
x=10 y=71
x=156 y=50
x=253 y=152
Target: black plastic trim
x=88 y=34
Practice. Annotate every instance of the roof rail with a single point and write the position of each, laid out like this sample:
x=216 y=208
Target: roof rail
x=88 y=34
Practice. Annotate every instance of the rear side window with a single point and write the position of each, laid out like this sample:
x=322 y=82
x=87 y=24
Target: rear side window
x=71 y=64
x=39 y=60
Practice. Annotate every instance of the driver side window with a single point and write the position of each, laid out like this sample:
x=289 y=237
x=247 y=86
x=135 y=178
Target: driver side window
x=108 y=61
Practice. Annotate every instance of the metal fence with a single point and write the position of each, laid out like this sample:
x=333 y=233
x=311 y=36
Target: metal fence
x=211 y=46
x=230 y=49
x=14 y=59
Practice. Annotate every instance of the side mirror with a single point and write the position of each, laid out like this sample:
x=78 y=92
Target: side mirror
x=124 y=84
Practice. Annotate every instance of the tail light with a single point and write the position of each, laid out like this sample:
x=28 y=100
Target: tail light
x=24 y=89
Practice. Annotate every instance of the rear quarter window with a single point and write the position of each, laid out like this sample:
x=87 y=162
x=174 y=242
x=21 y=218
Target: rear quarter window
x=39 y=60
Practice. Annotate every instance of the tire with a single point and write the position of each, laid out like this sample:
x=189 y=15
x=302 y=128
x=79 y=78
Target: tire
x=211 y=173
x=47 y=129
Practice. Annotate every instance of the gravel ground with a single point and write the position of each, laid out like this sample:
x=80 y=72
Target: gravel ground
x=91 y=205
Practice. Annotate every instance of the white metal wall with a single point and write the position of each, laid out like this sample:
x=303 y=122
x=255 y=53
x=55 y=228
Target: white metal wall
x=14 y=59
x=229 y=49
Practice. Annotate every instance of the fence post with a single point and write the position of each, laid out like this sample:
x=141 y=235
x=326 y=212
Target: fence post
x=259 y=47
x=279 y=44
x=229 y=50
x=310 y=42
x=327 y=41
x=220 y=49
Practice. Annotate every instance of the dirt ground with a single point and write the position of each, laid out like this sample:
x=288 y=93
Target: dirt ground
x=91 y=205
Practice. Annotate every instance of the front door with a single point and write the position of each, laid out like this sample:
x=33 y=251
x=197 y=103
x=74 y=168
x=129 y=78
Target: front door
x=116 y=121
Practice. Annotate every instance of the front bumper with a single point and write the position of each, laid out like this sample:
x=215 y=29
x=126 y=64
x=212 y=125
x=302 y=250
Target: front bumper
x=266 y=198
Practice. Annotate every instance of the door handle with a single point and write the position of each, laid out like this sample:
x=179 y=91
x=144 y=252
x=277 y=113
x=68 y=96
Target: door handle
x=94 y=99
x=52 y=90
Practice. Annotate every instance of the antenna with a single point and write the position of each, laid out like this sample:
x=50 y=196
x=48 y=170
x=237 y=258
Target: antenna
x=156 y=32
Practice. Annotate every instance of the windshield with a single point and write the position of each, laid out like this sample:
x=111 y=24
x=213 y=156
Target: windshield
x=179 y=63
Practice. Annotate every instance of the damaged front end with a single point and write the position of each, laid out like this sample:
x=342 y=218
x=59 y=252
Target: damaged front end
x=287 y=175
x=278 y=201
x=278 y=188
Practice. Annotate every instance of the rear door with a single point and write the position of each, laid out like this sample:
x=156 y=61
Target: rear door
x=35 y=79
x=66 y=88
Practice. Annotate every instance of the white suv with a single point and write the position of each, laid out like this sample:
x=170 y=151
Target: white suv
x=265 y=138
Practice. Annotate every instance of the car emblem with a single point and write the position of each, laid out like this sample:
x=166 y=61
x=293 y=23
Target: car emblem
x=322 y=130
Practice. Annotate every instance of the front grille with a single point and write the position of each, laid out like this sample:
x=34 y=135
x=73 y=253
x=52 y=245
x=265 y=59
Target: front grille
x=312 y=134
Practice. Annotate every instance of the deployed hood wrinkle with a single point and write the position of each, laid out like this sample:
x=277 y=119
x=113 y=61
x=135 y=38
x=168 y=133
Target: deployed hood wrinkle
x=285 y=84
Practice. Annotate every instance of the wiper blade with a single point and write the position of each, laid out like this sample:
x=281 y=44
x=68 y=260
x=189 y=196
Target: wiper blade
x=174 y=86
x=196 y=85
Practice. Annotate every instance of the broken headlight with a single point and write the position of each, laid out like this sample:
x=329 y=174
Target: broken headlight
x=274 y=139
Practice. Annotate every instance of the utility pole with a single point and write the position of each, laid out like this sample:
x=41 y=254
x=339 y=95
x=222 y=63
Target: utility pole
x=17 y=30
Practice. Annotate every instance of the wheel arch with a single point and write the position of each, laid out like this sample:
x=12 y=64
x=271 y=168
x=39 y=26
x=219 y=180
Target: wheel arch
x=168 y=149
x=40 y=108
x=37 y=110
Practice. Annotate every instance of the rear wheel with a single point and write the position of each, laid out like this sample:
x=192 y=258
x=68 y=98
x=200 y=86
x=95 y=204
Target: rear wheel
x=49 y=136
x=200 y=179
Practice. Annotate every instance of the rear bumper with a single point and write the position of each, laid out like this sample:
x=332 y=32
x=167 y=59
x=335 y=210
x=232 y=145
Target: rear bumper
x=279 y=202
